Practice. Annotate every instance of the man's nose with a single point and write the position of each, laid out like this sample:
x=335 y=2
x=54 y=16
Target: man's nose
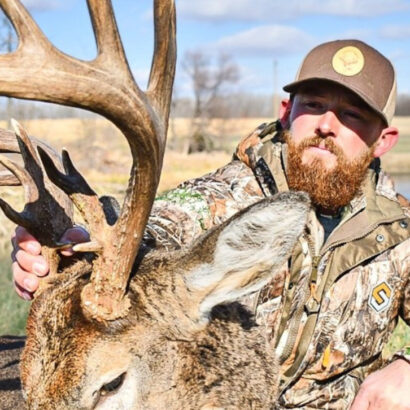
x=327 y=124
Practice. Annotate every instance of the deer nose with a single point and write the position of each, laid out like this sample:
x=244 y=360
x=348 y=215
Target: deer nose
x=327 y=124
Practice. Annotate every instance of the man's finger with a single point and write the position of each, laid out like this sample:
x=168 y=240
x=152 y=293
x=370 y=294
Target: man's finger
x=27 y=282
x=22 y=293
x=32 y=263
x=26 y=241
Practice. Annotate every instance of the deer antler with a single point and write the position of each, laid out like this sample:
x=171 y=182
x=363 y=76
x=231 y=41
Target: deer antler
x=37 y=70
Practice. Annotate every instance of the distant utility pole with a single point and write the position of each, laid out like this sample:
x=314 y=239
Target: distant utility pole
x=8 y=41
x=275 y=89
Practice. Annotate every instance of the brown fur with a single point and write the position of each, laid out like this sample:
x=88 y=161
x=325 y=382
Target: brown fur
x=205 y=364
x=57 y=326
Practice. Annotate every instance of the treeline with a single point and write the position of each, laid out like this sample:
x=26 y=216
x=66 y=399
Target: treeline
x=237 y=105
x=31 y=110
x=244 y=105
x=403 y=105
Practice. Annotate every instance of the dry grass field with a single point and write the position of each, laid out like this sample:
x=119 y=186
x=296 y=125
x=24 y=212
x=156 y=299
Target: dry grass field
x=102 y=155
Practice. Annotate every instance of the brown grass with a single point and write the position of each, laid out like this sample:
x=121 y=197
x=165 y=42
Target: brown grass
x=403 y=124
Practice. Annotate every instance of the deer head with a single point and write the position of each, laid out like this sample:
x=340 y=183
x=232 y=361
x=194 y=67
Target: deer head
x=105 y=333
x=184 y=342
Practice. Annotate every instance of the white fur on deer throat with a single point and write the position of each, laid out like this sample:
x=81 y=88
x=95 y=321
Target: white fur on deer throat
x=247 y=252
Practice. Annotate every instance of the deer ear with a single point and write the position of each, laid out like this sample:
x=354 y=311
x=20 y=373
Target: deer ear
x=245 y=252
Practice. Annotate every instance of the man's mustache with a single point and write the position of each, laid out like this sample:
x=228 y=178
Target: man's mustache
x=316 y=141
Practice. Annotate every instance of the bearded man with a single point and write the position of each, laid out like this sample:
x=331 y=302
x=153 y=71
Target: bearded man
x=333 y=306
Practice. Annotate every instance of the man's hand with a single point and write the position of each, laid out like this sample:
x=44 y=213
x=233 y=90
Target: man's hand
x=28 y=263
x=385 y=389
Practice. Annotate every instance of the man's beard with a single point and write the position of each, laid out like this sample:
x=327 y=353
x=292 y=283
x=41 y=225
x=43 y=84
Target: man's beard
x=331 y=189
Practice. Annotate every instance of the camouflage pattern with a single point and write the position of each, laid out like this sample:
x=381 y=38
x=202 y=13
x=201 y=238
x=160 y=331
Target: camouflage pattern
x=337 y=301
x=181 y=215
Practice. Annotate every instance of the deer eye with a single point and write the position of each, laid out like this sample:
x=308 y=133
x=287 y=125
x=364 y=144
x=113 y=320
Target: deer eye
x=113 y=385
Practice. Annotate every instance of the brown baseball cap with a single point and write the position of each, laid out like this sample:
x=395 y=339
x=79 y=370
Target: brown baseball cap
x=356 y=66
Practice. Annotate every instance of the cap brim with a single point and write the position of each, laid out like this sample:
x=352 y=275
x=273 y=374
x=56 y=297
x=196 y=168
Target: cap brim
x=292 y=88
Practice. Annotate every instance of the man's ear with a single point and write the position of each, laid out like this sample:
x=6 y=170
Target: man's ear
x=387 y=140
x=284 y=112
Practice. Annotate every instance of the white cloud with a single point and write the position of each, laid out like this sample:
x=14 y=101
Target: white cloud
x=274 y=10
x=254 y=80
x=262 y=40
x=396 y=32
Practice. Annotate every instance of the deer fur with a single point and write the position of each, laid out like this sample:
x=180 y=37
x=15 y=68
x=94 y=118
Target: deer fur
x=186 y=343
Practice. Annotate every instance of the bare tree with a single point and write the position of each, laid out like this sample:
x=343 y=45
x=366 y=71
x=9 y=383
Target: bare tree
x=208 y=83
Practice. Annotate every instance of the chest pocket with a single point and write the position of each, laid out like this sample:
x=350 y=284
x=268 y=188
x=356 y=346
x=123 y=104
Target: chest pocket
x=363 y=305
x=370 y=250
x=372 y=289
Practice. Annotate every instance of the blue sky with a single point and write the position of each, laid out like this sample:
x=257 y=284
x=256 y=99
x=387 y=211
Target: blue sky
x=254 y=33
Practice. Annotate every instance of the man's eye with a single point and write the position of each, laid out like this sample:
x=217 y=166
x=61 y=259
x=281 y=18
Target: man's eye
x=353 y=114
x=313 y=105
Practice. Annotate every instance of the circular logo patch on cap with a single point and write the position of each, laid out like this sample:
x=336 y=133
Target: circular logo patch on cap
x=348 y=61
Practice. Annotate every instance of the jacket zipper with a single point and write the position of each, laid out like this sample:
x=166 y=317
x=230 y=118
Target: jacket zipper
x=293 y=331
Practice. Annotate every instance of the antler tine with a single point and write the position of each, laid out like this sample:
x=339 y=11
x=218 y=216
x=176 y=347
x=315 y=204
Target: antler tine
x=24 y=178
x=9 y=144
x=37 y=66
x=44 y=200
x=164 y=60
x=108 y=41
x=74 y=185
x=30 y=190
x=27 y=30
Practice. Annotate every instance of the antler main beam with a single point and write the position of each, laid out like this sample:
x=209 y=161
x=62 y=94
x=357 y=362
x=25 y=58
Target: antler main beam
x=105 y=85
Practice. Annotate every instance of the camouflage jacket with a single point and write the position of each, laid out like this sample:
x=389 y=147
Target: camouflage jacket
x=332 y=308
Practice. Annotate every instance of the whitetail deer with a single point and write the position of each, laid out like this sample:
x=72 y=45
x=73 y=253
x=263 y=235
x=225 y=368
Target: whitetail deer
x=105 y=331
